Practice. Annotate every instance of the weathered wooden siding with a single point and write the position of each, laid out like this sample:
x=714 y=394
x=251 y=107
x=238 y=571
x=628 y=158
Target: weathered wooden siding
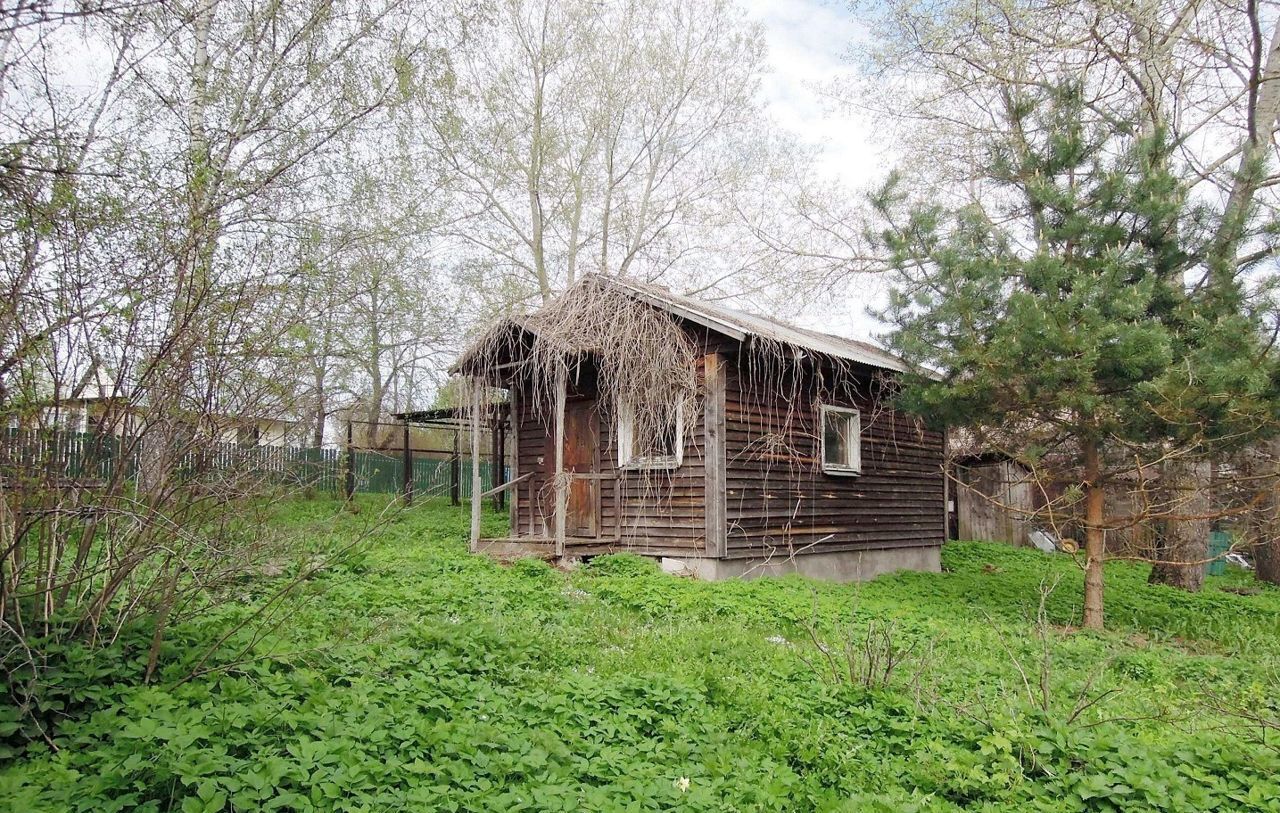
x=655 y=510
x=644 y=510
x=777 y=499
x=995 y=502
x=781 y=502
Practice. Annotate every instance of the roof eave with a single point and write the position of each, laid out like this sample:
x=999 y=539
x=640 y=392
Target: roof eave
x=706 y=320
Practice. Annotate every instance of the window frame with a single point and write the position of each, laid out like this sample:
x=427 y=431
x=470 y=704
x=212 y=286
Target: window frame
x=852 y=467
x=627 y=459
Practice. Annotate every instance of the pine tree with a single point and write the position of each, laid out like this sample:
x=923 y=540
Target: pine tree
x=1058 y=312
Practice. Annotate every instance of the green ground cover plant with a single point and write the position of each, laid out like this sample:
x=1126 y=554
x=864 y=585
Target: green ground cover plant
x=410 y=675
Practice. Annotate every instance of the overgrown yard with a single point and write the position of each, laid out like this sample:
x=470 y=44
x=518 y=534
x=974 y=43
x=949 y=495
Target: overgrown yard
x=413 y=676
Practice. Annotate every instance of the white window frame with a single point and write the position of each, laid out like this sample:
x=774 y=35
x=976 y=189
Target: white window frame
x=627 y=458
x=852 y=467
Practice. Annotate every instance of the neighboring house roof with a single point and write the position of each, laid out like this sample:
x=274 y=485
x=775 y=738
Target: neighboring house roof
x=448 y=417
x=736 y=324
x=127 y=406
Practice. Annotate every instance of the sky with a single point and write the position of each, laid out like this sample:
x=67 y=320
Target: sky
x=807 y=43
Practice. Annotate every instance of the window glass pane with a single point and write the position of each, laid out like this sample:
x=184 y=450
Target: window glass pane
x=665 y=443
x=654 y=438
x=835 y=438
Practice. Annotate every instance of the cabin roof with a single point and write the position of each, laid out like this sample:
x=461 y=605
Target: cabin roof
x=743 y=326
x=736 y=324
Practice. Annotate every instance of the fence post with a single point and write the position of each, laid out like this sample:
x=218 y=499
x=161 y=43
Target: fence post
x=408 y=465
x=349 y=488
x=455 y=472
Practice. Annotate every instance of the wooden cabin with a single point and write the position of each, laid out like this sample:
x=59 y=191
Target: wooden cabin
x=789 y=458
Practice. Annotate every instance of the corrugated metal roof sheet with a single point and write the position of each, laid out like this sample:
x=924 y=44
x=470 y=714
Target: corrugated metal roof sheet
x=741 y=325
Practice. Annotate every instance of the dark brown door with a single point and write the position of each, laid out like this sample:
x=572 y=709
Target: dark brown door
x=581 y=442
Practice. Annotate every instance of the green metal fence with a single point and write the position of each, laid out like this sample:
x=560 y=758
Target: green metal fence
x=1219 y=546
x=383 y=473
x=89 y=458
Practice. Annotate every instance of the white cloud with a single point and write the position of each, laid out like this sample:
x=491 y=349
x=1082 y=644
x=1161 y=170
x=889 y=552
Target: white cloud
x=807 y=43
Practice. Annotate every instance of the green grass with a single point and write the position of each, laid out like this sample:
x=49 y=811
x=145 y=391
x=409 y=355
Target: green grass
x=413 y=676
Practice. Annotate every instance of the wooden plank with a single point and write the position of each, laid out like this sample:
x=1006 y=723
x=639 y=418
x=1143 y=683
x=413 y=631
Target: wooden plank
x=946 y=494
x=515 y=400
x=497 y=454
x=498 y=489
x=455 y=471
x=781 y=550
x=407 y=473
x=477 y=499
x=714 y=458
x=562 y=374
x=349 y=487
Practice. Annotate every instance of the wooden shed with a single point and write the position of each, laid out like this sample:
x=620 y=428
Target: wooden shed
x=996 y=499
x=783 y=454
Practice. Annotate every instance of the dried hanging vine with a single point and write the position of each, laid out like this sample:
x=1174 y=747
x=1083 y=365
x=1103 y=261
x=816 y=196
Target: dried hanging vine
x=643 y=359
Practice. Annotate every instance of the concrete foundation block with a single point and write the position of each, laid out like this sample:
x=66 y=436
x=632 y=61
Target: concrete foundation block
x=844 y=566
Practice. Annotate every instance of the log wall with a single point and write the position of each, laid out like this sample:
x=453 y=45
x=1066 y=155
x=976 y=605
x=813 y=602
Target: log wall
x=776 y=498
x=653 y=511
x=781 y=502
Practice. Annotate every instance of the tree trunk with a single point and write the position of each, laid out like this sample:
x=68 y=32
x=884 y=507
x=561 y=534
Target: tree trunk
x=1184 y=547
x=321 y=413
x=1266 y=552
x=1263 y=520
x=1095 y=545
x=534 y=184
x=161 y=453
x=317 y=431
x=1263 y=117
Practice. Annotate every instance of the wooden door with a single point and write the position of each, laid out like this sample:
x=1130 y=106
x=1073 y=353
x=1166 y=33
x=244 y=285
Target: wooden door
x=581 y=449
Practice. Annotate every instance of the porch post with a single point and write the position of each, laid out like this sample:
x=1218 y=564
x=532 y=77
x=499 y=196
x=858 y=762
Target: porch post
x=455 y=470
x=497 y=465
x=562 y=491
x=476 y=488
x=349 y=481
x=514 y=504
x=715 y=458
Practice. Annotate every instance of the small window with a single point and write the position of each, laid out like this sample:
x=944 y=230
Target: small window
x=841 y=440
x=658 y=446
